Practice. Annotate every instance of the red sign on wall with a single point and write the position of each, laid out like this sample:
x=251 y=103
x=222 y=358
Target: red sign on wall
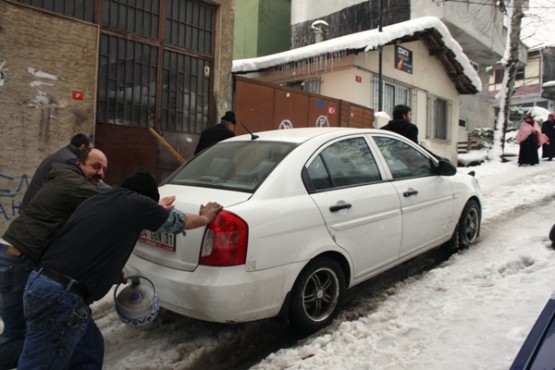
x=358 y=79
x=77 y=95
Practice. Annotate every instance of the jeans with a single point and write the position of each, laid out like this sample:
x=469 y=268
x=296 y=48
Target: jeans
x=13 y=276
x=60 y=331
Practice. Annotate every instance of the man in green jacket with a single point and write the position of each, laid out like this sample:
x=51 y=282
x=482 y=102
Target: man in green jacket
x=66 y=186
x=69 y=152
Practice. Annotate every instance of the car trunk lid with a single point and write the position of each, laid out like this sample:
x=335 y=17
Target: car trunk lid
x=182 y=251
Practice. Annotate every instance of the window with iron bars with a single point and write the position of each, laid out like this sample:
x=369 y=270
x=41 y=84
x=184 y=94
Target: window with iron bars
x=440 y=117
x=393 y=94
x=127 y=82
x=80 y=9
x=136 y=17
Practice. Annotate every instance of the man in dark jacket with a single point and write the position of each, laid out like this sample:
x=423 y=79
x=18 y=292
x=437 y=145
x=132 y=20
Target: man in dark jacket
x=67 y=153
x=66 y=186
x=223 y=130
x=401 y=124
x=84 y=260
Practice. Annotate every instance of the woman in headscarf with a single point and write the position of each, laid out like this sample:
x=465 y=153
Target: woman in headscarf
x=529 y=137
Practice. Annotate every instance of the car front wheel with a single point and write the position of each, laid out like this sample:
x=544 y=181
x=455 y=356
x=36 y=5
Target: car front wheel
x=469 y=224
x=317 y=294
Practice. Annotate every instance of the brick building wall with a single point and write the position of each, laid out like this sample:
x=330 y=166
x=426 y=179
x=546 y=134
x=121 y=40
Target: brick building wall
x=48 y=67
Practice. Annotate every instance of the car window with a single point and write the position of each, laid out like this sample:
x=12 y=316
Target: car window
x=403 y=160
x=344 y=163
x=235 y=166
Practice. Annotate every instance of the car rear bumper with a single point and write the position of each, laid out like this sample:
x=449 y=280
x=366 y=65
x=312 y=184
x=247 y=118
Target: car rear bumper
x=218 y=294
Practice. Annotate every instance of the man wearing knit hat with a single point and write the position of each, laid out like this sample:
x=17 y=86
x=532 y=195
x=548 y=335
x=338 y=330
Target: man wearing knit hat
x=223 y=130
x=83 y=261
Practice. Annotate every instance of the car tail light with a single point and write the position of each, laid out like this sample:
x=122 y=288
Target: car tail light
x=225 y=241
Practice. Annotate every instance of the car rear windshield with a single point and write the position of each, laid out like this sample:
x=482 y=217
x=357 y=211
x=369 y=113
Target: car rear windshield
x=241 y=166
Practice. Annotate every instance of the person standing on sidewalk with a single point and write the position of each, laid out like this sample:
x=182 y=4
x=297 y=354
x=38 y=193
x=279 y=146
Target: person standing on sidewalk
x=212 y=135
x=548 y=128
x=401 y=123
x=529 y=137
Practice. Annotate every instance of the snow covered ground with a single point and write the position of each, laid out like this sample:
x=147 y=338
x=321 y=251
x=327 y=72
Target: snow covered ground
x=471 y=312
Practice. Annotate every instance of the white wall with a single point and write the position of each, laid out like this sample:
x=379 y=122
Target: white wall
x=480 y=20
x=343 y=84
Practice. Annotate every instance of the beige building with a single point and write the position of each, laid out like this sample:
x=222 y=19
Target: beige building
x=422 y=66
x=478 y=27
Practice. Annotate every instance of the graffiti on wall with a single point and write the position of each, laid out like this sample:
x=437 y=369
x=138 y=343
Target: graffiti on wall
x=11 y=192
x=47 y=103
x=285 y=125
x=321 y=121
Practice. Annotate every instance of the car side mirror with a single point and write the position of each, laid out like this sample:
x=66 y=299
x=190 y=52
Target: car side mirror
x=445 y=168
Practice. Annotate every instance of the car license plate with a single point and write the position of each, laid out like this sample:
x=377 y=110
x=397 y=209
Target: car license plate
x=158 y=239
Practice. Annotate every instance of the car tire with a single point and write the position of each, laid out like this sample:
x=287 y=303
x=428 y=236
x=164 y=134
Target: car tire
x=552 y=234
x=317 y=294
x=468 y=229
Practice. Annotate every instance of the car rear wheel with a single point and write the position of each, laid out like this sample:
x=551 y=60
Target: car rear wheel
x=317 y=294
x=469 y=224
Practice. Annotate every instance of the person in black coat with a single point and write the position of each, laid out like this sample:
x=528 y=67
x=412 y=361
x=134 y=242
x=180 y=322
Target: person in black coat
x=401 y=124
x=548 y=128
x=223 y=130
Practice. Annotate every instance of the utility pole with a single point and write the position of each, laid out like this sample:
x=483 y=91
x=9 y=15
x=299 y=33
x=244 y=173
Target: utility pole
x=514 y=11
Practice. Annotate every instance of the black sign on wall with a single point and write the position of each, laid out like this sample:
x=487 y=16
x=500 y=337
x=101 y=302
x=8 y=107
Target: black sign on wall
x=403 y=59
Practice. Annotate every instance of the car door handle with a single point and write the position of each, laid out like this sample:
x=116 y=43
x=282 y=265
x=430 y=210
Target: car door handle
x=409 y=192
x=339 y=207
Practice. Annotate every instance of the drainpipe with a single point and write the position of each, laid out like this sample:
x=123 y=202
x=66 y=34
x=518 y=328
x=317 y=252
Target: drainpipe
x=380 y=82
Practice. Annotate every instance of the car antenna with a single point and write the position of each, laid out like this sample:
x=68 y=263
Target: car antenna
x=253 y=136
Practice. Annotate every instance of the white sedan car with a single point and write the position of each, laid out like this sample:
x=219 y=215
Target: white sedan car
x=308 y=213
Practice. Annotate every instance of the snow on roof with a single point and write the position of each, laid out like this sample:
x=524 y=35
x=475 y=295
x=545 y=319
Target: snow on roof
x=540 y=114
x=367 y=41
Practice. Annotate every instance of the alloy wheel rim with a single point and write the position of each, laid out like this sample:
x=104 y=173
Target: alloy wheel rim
x=471 y=230
x=320 y=294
